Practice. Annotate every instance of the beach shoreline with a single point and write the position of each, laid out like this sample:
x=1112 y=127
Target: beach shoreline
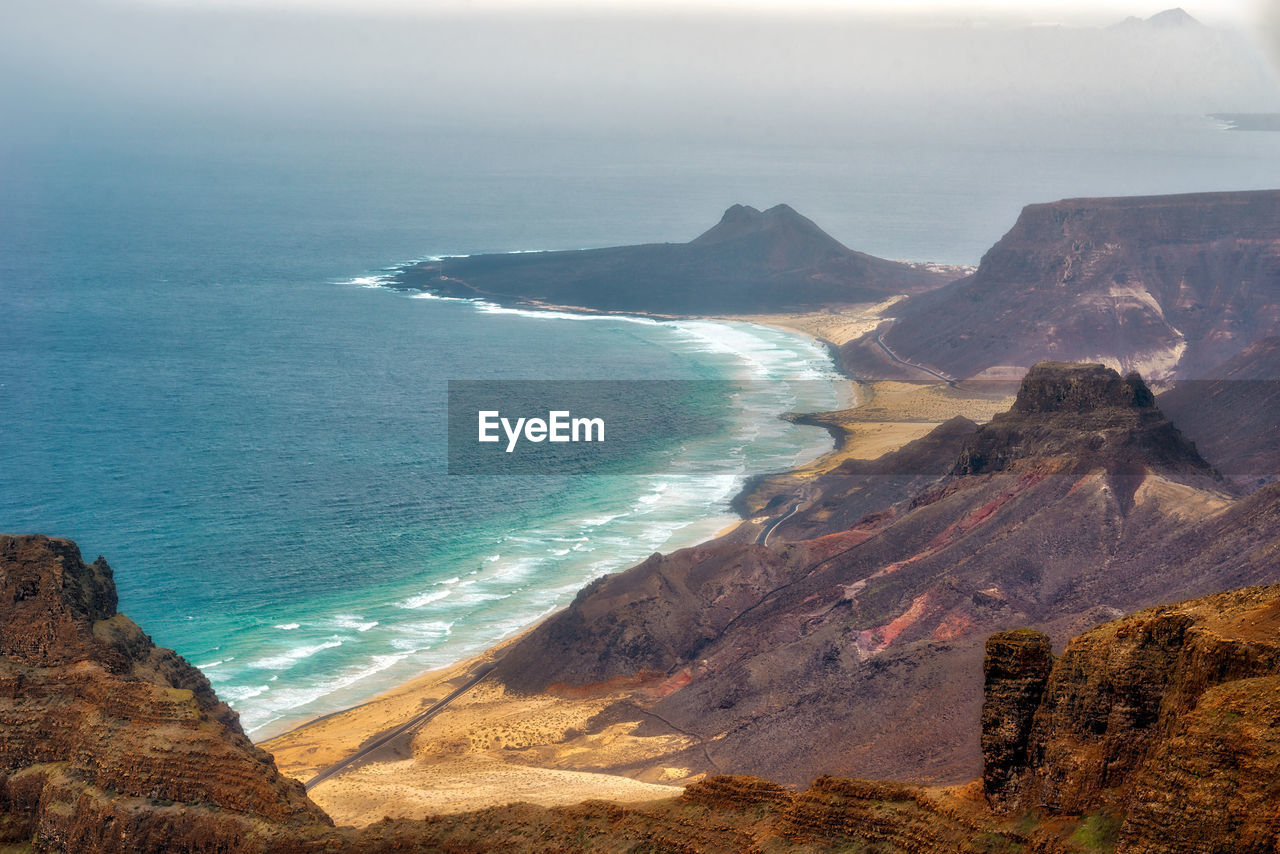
x=488 y=747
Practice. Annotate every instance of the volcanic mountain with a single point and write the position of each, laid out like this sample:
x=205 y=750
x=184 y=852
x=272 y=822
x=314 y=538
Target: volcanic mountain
x=1165 y=285
x=752 y=261
x=1080 y=503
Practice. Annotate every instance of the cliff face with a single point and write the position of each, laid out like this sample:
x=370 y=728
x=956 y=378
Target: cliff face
x=1015 y=671
x=752 y=261
x=92 y=715
x=1079 y=504
x=1164 y=285
x=1170 y=717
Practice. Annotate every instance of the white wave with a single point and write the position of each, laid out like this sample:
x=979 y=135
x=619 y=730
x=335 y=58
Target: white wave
x=352 y=621
x=209 y=664
x=380 y=281
x=441 y=297
x=293 y=656
x=477 y=598
x=418 y=636
x=286 y=700
x=240 y=693
x=553 y=314
x=597 y=521
x=422 y=600
x=288 y=627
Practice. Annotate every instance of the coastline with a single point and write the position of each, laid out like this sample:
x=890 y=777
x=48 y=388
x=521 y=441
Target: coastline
x=487 y=747
x=611 y=527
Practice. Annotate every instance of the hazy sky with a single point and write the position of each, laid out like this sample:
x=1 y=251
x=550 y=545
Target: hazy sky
x=774 y=71
x=1238 y=11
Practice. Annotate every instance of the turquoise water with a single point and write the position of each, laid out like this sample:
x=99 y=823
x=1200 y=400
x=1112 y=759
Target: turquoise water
x=201 y=380
x=258 y=448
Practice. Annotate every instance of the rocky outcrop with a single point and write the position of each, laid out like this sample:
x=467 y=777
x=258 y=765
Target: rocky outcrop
x=1211 y=785
x=1170 y=717
x=724 y=791
x=1164 y=285
x=889 y=817
x=93 y=715
x=752 y=261
x=1089 y=416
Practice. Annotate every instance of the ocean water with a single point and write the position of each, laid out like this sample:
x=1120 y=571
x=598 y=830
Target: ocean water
x=202 y=379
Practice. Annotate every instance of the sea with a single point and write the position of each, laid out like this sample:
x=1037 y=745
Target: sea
x=205 y=377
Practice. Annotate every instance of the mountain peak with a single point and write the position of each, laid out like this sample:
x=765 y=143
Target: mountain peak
x=780 y=223
x=1088 y=415
x=1079 y=388
x=1176 y=17
x=1169 y=19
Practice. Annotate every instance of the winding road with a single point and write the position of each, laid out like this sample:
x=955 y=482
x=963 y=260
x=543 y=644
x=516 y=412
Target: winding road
x=901 y=361
x=763 y=538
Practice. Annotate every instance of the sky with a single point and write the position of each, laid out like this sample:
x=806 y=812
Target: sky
x=613 y=66
x=1219 y=11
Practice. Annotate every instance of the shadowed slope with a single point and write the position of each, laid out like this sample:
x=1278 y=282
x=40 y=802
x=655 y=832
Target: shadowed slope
x=1234 y=414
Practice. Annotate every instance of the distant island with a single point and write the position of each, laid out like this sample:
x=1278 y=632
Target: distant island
x=1265 y=122
x=752 y=261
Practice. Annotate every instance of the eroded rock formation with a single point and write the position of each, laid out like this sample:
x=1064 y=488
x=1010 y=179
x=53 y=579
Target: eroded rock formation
x=1169 y=717
x=95 y=719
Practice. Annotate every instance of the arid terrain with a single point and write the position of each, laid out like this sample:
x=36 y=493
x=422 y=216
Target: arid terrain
x=1158 y=732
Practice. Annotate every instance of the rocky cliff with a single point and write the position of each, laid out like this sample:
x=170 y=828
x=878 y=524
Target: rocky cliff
x=95 y=719
x=1169 y=718
x=1089 y=415
x=752 y=261
x=1164 y=285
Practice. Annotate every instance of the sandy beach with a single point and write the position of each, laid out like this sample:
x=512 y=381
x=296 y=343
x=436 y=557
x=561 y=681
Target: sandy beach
x=488 y=747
